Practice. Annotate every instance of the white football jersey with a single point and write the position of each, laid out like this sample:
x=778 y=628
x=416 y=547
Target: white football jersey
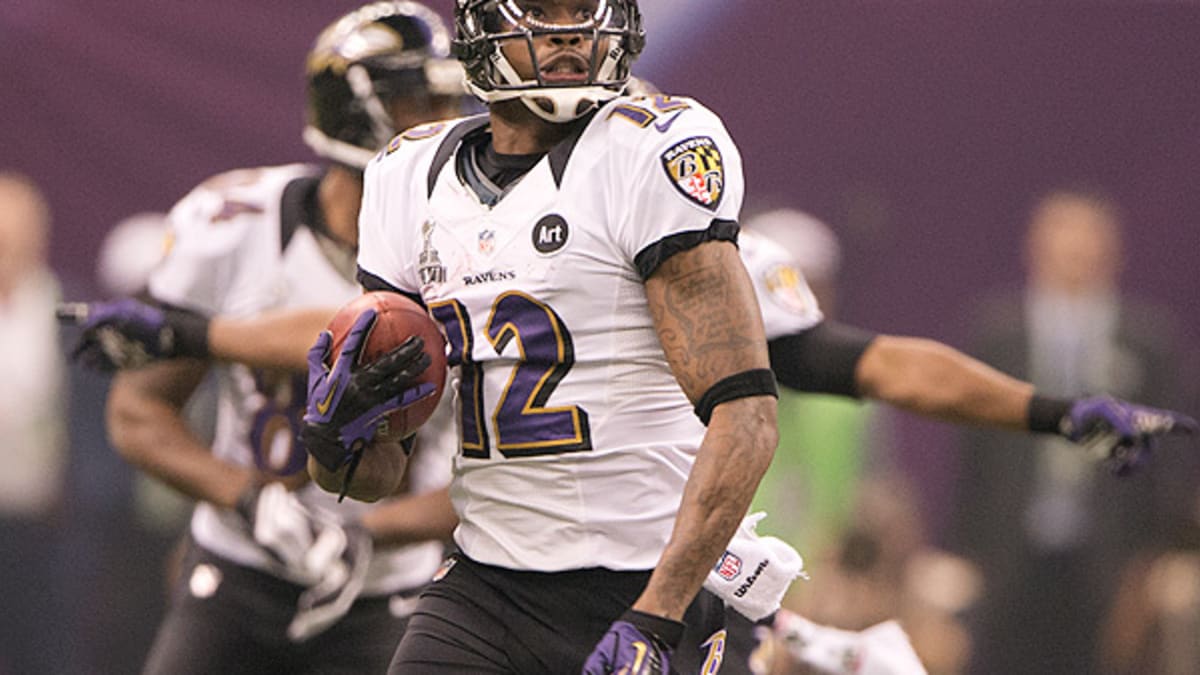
x=788 y=304
x=576 y=438
x=229 y=257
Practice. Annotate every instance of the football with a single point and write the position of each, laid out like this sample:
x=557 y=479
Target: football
x=397 y=318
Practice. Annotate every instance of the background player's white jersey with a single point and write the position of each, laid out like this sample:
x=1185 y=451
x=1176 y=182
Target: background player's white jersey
x=576 y=437
x=229 y=257
x=788 y=304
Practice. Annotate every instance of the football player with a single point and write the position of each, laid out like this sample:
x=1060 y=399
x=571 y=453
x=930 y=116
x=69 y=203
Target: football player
x=616 y=404
x=280 y=576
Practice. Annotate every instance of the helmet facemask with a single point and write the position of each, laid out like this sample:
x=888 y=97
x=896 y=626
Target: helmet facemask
x=486 y=28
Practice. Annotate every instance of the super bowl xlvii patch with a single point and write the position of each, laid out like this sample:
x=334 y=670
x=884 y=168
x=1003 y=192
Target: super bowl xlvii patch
x=697 y=170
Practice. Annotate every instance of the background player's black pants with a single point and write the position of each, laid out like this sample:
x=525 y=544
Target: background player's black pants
x=241 y=627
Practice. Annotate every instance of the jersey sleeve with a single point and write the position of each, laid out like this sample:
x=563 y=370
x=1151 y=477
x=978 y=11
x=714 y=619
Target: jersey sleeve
x=380 y=253
x=203 y=259
x=788 y=304
x=678 y=184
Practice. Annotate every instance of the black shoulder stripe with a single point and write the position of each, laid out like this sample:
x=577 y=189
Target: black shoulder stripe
x=649 y=259
x=562 y=152
x=297 y=207
x=372 y=282
x=449 y=144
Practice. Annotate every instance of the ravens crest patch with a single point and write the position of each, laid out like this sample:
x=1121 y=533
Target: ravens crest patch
x=697 y=170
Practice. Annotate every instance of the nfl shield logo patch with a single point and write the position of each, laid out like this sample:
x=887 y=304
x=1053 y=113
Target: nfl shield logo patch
x=729 y=566
x=697 y=170
x=487 y=242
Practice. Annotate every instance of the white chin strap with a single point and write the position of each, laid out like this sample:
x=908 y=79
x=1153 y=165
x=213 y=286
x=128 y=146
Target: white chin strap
x=553 y=105
x=338 y=151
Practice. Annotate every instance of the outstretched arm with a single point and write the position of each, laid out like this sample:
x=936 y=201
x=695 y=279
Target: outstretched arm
x=932 y=379
x=274 y=339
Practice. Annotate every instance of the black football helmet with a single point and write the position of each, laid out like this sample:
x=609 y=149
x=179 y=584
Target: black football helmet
x=364 y=63
x=482 y=27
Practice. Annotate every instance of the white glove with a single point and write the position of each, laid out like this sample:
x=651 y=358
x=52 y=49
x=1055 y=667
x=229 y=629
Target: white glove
x=755 y=572
x=312 y=549
x=882 y=649
x=344 y=566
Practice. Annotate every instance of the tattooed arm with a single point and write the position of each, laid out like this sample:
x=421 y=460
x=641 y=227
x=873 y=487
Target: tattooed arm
x=710 y=327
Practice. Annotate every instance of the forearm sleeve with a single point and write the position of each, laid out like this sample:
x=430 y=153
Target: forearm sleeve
x=821 y=359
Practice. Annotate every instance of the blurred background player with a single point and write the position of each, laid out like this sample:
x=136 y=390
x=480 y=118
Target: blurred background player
x=271 y=572
x=1050 y=533
x=33 y=436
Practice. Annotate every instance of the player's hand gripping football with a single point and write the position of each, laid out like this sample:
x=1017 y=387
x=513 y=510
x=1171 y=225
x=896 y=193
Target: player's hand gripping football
x=636 y=644
x=348 y=403
x=128 y=333
x=1118 y=433
x=328 y=557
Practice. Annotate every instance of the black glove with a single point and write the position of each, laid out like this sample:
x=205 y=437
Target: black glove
x=636 y=644
x=128 y=333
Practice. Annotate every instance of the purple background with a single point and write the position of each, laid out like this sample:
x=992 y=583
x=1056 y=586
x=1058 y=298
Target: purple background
x=920 y=131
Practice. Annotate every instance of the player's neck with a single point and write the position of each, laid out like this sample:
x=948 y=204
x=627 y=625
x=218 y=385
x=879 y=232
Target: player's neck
x=517 y=131
x=339 y=195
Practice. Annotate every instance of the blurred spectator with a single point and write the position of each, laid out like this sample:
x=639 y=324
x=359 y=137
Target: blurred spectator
x=1049 y=529
x=31 y=434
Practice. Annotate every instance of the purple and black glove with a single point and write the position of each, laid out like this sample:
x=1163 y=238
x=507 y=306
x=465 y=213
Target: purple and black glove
x=636 y=644
x=1117 y=433
x=128 y=333
x=349 y=402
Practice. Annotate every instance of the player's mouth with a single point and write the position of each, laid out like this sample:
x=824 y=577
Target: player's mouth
x=565 y=68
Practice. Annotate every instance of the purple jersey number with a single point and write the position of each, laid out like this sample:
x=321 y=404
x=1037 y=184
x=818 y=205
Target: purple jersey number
x=275 y=429
x=524 y=328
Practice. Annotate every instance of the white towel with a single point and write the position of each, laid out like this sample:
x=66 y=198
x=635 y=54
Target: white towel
x=882 y=649
x=755 y=572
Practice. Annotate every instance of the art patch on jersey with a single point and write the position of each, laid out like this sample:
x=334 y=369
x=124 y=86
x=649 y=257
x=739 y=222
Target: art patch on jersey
x=697 y=170
x=550 y=234
x=785 y=283
x=429 y=264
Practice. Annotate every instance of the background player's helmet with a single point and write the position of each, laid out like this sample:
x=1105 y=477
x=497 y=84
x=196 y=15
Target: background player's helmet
x=483 y=26
x=361 y=63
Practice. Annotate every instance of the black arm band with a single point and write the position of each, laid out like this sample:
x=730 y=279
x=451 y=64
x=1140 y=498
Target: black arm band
x=188 y=334
x=1045 y=413
x=822 y=359
x=757 y=382
x=189 y=330
x=667 y=630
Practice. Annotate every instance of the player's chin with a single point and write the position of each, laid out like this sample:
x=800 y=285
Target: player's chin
x=379 y=474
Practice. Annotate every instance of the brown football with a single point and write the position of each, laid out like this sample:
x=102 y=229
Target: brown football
x=397 y=319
